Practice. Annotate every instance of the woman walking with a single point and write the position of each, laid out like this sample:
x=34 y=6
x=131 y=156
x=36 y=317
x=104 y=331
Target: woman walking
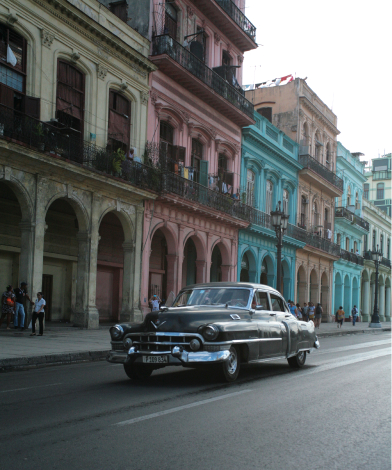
x=340 y=316
x=318 y=313
x=38 y=313
x=7 y=305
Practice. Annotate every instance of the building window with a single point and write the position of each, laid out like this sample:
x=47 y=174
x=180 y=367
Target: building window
x=266 y=112
x=170 y=20
x=250 y=187
x=355 y=247
x=382 y=243
x=226 y=179
x=173 y=155
x=365 y=242
x=202 y=39
x=303 y=212
x=285 y=201
x=120 y=9
x=226 y=59
x=268 y=199
x=318 y=148
x=374 y=240
x=196 y=156
x=119 y=121
x=70 y=98
x=389 y=248
x=348 y=196
x=315 y=217
x=366 y=191
x=347 y=244
x=380 y=191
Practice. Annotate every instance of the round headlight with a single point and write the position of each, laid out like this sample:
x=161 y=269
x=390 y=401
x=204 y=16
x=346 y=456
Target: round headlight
x=127 y=343
x=116 y=332
x=210 y=332
x=195 y=344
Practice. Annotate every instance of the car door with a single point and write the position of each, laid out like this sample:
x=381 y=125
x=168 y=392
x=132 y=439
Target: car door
x=283 y=314
x=271 y=331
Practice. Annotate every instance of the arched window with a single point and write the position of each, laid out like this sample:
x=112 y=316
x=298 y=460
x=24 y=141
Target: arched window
x=357 y=204
x=305 y=135
x=380 y=191
x=347 y=244
x=328 y=155
x=170 y=20
x=70 y=98
x=285 y=201
x=348 y=196
x=355 y=247
x=119 y=124
x=226 y=178
x=268 y=198
x=250 y=187
x=166 y=132
x=196 y=157
x=318 y=146
x=382 y=243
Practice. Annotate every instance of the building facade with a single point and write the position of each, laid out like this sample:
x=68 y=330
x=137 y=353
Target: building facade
x=195 y=114
x=378 y=185
x=379 y=238
x=74 y=88
x=296 y=110
x=350 y=228
x=269 y=173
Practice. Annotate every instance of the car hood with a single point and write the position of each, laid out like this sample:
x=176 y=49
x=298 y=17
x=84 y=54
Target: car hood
x=185 y=319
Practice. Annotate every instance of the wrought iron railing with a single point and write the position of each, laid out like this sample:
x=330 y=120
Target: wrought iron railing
x=381 y=175
x=195 y=192
x=352 y=257
x=164 y=44
x=384 y=261
x=353 y=218
x=236 y=14
x=309 y=162
x=44 y=137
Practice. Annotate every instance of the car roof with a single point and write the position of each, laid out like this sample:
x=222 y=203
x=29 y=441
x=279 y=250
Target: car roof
x=249 y=285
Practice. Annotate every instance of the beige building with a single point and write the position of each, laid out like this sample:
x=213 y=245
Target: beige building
x=301 y=114
x=73 y=101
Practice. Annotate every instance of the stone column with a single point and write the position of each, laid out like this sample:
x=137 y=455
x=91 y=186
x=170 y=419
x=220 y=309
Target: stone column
x=200 y=271
x=252 y=276
x=82 y=275
x=365 y=301
x=271 y=280
x=136 y=305
x=225 y=268
x=172 y=261
x=388 y=303
x=381 y=302
x=180 y=251
x=146 y=259
x=234 y=256
x=128 y=282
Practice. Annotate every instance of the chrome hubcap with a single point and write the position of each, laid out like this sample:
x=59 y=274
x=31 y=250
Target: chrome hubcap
x=232 y=363
x=301 y=356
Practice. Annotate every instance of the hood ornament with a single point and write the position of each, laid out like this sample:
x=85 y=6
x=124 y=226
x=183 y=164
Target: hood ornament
x=157 y=324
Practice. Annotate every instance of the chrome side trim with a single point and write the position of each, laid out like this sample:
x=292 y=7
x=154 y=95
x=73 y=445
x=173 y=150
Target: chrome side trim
x=268 y=359
x=245 y=340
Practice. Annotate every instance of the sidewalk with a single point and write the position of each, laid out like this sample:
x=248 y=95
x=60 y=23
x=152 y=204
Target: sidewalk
x=64 y=344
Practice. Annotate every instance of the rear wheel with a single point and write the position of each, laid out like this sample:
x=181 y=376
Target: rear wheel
x=298 y=360
x=231 y=367
x=137 y=371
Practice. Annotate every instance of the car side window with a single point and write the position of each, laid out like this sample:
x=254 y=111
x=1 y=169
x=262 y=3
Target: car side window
x=277 y=303
x=262 y=299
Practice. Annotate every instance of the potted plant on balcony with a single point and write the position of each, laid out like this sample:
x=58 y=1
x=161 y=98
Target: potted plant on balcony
x=101 y=161
x=40 y=134
x=118 y=158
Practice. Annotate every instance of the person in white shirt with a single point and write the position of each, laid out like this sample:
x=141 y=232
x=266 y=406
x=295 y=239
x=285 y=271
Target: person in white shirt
x=154 y=301
x=39 y=313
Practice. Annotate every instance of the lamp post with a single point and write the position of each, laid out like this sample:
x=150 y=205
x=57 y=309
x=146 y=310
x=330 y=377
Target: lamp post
x=375 y=321
x=279 y=222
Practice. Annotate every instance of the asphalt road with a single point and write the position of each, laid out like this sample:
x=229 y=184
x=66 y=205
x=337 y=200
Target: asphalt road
x=335 y=413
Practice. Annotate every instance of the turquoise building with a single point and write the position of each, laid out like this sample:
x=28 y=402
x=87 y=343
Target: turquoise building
x=269 y=173
x=350 y=229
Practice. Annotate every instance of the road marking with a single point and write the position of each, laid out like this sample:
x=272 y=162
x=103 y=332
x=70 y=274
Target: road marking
x=179 y=408
x=355 y=346
x=29 y=388
x=345 y=362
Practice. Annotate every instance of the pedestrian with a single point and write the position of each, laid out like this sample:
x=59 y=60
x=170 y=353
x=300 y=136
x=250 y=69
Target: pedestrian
x=340 y=316
x=293 y=308
x=311 y=311
x=305 y=312
x=7 y=305
x=154 y=301
x=354 y=314
x=317 y=315
x=20 y=295
x=299 y=312
x=38 y=313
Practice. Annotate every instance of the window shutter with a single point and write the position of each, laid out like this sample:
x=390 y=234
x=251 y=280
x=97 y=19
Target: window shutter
x=181 y=155
x=32 y=107
x=203 y=180
x=6 y=96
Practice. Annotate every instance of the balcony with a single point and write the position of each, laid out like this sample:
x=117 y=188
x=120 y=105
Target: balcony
x=314 y=172
x=381 y=175
x=351 y=217
x=196 y=193
x=191 y=73
x=231 y=21
x=45 y=138
x=384 y=262
x=352 y=257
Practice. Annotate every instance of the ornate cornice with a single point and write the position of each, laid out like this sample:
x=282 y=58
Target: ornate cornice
x=97 y=34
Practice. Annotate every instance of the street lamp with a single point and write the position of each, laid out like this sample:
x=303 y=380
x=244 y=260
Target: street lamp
x=375 y=321
x=279 y=222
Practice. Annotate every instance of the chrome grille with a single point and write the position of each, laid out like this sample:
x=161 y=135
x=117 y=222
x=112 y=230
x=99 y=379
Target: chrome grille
x=118 y=346
x=162 y=342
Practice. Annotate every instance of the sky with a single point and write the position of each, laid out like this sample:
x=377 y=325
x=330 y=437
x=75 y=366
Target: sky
x=344 y=48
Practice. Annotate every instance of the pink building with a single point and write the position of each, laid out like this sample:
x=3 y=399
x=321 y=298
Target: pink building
x=195 y=114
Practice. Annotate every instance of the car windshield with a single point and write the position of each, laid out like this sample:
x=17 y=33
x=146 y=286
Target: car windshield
x=213 y=296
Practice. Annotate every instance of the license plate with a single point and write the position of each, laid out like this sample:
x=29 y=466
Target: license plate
x=155 y=359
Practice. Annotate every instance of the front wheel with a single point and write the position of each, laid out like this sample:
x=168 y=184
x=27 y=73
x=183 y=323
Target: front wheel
x=298 y=360
x=137 y=371
x=231 y=367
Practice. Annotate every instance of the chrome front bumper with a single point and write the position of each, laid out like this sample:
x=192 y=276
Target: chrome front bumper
x=176 y=357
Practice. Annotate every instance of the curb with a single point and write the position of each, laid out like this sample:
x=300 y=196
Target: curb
x=353 y=332
x=21 y=363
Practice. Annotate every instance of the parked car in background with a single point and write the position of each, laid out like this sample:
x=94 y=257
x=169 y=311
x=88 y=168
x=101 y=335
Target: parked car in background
x=222 y=324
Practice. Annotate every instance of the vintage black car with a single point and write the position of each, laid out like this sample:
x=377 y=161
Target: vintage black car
x=222 y=324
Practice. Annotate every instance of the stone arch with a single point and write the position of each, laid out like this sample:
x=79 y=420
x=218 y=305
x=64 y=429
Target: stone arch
x=347 y=295
x=201 y=133
x=285 y=287
x=77 y=205
x=199 y=243
x=23 y=197
x=267 y=276
x=125 y=220
x=171 y=238
x=302 y=295
x=172 y=116
x=249 y=273
x=200 y=262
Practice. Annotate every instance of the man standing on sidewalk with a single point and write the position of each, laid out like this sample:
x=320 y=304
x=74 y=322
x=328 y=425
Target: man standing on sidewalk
x=20 y=294
x=354 y=314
